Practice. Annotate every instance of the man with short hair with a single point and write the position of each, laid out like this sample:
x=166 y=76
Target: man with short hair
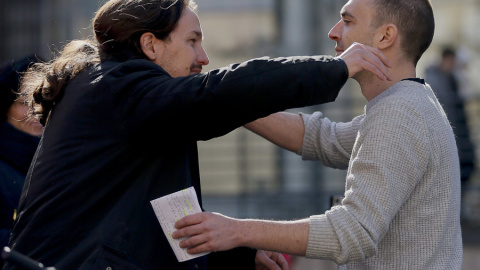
x=402 y=195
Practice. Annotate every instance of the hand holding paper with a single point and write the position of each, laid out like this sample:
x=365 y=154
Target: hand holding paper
x=169 y=209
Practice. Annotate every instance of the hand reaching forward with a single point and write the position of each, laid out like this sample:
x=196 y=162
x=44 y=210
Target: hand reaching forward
x=359 y=57
x=207 y=232
x=215 y=232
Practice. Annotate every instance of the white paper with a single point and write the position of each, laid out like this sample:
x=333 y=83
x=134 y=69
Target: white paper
x=169 y=209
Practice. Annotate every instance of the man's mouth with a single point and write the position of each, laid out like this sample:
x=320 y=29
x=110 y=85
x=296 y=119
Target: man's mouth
x=195 y=70
x=339 y=51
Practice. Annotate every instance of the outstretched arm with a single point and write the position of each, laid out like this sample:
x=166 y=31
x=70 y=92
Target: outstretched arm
x=215 y=232
x=283 y=129
x=314 y=137
x=287 y=130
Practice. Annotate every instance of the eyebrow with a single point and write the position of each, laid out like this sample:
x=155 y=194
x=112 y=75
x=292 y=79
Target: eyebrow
x=345 y=13
x=197 y=34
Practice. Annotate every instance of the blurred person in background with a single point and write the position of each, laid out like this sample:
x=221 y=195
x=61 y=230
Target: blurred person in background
x=401 y=206
x=447 y=87
x=19 y=137
x=123 y=114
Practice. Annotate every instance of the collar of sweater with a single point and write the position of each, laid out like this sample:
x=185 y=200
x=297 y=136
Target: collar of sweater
x=410 y=82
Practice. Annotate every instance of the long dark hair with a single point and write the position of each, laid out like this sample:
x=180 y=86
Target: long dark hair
x=117 y=26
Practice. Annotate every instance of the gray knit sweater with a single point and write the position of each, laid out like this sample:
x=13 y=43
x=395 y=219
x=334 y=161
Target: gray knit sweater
x=402 y=193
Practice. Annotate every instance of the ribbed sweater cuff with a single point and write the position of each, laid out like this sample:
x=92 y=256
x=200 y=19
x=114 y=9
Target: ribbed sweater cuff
x=307 y=151
x=322 y=241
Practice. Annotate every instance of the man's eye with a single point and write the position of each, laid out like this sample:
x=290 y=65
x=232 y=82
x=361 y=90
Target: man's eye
x=346 y=21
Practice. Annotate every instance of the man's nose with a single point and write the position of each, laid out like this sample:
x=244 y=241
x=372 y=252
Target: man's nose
x=202 y=57
x=335 y=33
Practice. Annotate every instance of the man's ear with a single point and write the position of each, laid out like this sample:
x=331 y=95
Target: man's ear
x=147 y=42
x=387 y=36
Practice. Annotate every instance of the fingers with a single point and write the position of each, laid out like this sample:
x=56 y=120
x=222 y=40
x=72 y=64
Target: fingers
x=379 y=62
x=209 y=241
x=377 y=70
x=190 y=220
x=206 y=232
x=187 y=231
x=282 y=262
x=378 y=53
x=199 y=249
x=197 y=244
x=263 y=261
x=359 y=57
x=375 y=62
x=195 y=224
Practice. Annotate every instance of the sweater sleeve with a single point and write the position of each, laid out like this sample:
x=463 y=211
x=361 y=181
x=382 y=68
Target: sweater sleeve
x=388 y=160
x=328 y=141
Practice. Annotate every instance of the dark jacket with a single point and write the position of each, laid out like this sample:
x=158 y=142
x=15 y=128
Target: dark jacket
x=125 y=133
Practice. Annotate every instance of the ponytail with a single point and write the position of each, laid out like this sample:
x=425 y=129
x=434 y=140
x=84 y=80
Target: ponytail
x=44 y=83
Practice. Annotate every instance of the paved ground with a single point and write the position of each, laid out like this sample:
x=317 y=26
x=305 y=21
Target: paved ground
x=471 y=261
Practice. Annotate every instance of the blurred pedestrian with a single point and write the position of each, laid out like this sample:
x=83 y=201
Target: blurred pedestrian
x=19 y=138
x=444 y=82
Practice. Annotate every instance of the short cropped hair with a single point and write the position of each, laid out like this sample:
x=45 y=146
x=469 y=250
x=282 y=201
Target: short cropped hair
x=415 y=22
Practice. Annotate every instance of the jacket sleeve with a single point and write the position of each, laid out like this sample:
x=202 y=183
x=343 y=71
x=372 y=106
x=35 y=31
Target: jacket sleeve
x=204 y=106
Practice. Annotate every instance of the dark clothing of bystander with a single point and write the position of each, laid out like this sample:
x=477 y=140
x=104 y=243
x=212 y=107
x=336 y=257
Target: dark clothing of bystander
x=16 y=151
x=16 y=146
x=446 y=89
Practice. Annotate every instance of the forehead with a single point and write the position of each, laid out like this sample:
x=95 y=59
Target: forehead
x=361 y=10
x=188 y=23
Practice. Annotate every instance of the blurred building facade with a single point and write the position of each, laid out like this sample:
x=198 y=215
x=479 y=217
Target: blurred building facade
x=242 y=174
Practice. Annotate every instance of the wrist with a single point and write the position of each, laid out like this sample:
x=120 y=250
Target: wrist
x=242 y=233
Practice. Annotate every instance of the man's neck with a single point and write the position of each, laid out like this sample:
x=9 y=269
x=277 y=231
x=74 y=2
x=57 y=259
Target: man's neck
x=372 y=86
